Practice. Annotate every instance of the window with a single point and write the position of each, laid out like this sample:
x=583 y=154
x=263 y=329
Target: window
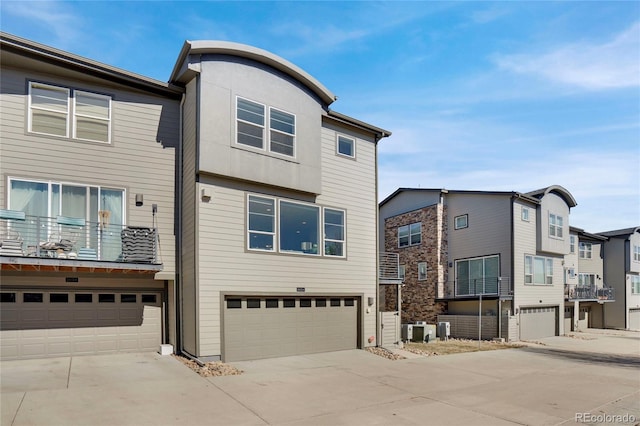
x=299 y=231
x=261 y=223
x=586 y=280
x=346 y=146
x=305 y=303
x=92 y=116
x=461 y=221
x=32 y=297
x=289 y=303
x=635 y=284
x=7 y=298
x=422 y=271
x=636 y=253
x=525 y=214
x=59 y=298
x=334 y=233
x=84 y=298
x=298 y=227
x=128 y=298
x=253 y=303
x=572 y=244
x=477 y=276
x=585 y=250
x=555 y=226
x=283 y=132
x=271 y=303
x=321 y=303
x=410 y=235
x=50 y=108
x=234 y=303
x=149 y=298
x=402 y=270
x=106 y=298
x=334 y=302
x=251 y=119
x=349 y=302
x=538 y=270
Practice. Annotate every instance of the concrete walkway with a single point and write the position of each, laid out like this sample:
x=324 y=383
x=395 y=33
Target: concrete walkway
x=546 y=383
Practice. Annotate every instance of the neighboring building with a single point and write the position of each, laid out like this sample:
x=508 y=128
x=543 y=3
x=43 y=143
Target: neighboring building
x=465 y=252
x=277 y=213
x=586 y=291
x=87 y=156
x=622 y=272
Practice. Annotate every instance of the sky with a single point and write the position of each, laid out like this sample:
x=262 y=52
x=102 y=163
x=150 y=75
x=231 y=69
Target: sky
x=491 y=96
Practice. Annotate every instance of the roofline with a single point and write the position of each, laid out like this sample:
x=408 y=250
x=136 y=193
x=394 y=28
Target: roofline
x=10 y=42
x=202 y=47
x=583 y=233
x=380 y=133
x=624 y=232
x=561 y=191
x=456 y=191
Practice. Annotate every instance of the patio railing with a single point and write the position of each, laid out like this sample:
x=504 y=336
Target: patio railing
x=588 y=292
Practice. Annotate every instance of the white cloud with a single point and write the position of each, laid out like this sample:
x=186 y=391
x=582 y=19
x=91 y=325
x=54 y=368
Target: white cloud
x=612 y=64
x=51 y=16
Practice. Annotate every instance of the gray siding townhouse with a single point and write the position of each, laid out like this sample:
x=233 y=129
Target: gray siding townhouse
x=277 y=210
x=586 y=291
x=87 y=155
x=622 y=272
x=462 y=253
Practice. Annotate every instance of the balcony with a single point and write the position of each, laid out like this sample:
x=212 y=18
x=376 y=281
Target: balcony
x=490 y=287
x=573 y=292
x=69 y=244
x=389 y=268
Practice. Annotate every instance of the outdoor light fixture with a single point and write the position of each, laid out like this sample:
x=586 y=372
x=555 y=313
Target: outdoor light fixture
x=139 y=200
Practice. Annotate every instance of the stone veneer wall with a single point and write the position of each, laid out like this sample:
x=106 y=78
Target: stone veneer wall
x=419 y=297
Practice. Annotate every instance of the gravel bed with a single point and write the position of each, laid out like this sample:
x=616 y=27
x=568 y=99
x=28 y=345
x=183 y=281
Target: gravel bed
x=210 y=369
x=384 y=353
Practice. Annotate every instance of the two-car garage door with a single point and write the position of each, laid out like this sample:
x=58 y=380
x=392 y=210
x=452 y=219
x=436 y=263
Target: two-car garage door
x=49 y=323
x=264 y=327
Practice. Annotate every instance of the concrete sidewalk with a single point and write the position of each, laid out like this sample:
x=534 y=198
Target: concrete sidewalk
x=546 y=383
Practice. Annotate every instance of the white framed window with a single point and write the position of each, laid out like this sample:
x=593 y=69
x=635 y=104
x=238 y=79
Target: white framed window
x=261 y=223
x=555 y=226
x=572 y=244
x=410 y=235
x=51 y=106
x=422 y=271
x=585 y=250
x=346 y=146
x=91 y=116
x=538 y=270
x=49 y=109
x=250 y=118
x=282 y=135
x=525 y=214
x=251 y=122
x=461 y=221
x=334 y=232
x=586 y=280
x=635 y=284
x=287 y=226
x=636 y=253
x=402 y=272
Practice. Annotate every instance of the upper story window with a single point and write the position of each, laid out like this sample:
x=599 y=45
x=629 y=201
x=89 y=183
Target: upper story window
x=461 y=221
x=477 y=276
x=251 y=120
x=555 y=226
x=402 y=272
x=346 y=146
x=572 y=244
x=410 y=235
x=298 y=227
x=636 y=253
x=538 y=270
x=585 y=250
x=586 y=280
x=635 y=284
x=525 y=214
x=422 y=271
x=50 y=109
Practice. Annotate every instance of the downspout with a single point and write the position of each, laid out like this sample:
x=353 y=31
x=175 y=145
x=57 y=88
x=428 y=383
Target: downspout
x=178 y=221
x=377 y=308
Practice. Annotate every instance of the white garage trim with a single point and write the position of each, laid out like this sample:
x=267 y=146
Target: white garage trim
x=42 y=323
x=634 y=319
x=262 y=326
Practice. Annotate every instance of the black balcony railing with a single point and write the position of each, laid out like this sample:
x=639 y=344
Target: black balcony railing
x=75 y=239
x=574 y=292
x=468 y=288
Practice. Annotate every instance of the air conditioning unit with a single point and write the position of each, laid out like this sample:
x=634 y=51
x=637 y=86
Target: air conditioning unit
x=418 y=332
x=444 y=329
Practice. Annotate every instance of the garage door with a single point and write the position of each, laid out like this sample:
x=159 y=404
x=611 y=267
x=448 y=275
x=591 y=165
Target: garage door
x=266 y=327
x=38 y=324
x=634 y=319
x=538 y=322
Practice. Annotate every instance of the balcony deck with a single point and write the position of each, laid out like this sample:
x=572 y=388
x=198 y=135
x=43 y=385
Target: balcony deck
x=389 y=268
x=489 y=288
x=600 y=294
x=35 y=243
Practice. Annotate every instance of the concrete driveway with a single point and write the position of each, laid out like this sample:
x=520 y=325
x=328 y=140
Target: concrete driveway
x=589 y=375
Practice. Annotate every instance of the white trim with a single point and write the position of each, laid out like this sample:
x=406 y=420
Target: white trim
x=264 y=125
x=466 y=221
x=31 y=107
x=75 y=114
x=295 y=126
x=353 y=146
x=344 y=233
